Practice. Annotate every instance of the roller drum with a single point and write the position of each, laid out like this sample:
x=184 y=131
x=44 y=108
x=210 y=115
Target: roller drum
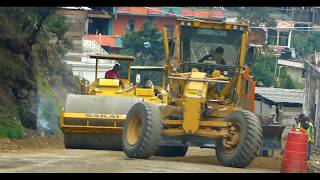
x=101 y=105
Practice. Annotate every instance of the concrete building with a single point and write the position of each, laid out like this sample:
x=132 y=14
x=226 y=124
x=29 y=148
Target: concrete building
x=76 y=19
x=77 y=58
x=127 y=19
x=280 y=37
x=295 y=69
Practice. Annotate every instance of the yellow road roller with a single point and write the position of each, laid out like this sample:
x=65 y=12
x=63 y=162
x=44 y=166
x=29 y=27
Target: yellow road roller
x=94 y=120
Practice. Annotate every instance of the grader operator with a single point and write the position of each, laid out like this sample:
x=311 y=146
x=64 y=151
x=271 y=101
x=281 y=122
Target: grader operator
x=209 y=106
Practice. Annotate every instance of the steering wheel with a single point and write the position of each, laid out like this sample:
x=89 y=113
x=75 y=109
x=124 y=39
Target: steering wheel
x=208 y=68
x=187 y=67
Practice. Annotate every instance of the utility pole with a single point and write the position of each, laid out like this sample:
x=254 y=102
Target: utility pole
x=275 y=70
x=279 y=75
x=317 y=119
x=313 y=11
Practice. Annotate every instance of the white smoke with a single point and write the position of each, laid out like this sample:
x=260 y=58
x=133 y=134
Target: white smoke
x=42 y=122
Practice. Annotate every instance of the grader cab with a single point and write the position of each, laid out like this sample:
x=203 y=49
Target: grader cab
x=94 y=120
x=210 y=105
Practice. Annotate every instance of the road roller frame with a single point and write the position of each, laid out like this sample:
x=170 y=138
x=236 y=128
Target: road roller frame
x=209 y=105
x=111 y=87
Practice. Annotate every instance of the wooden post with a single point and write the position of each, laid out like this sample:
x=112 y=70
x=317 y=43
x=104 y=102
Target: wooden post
x=312 y=97
x=306 y=92
x=278 y=37
x=96 y=74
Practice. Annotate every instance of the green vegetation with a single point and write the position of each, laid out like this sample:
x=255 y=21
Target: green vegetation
x=10 y=128
x=263 y=71
x=133 y=43
x=57 y=25
x=10 y=110
x=306 y=42
x=285 y=81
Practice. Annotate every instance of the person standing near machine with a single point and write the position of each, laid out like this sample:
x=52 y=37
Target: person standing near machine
x=304 y=121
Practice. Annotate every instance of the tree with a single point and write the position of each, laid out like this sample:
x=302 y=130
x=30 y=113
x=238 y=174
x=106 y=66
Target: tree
x=57 y=25
x=306 y=43
x=133 y=44
x=286 y=82
x=263 y=69
x=32 y=24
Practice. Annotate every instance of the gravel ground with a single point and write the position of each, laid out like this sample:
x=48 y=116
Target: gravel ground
x=27 y=155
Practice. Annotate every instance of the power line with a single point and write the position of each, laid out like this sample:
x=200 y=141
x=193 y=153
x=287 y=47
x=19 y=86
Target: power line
x=285 y=27
x=176 y=15
x=308 y=29
x=255 y=27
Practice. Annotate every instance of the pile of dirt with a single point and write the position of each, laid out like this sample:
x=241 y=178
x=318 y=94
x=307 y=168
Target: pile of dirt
x=34 y=141
x=314 y=163
x=207 y=156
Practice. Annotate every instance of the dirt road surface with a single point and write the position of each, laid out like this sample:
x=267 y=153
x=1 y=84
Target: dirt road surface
x=49 y=155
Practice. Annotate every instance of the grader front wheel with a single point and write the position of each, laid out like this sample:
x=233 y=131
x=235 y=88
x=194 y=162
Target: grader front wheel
x=142 y=131
x=240 y=148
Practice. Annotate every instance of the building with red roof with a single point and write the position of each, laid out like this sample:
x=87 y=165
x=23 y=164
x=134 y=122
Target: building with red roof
x=108 y=29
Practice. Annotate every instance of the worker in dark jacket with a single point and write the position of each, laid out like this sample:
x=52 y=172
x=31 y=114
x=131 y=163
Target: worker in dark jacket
x=214 y=56
x=114 y=74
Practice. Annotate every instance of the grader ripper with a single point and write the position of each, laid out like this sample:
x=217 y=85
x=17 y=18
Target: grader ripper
x=94 y=120
x=209 y=105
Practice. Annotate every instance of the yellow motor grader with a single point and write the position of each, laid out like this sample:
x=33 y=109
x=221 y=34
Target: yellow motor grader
x=94 y=120
x=210 y=105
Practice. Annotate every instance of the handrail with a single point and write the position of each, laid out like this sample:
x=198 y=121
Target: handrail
x=87 y=55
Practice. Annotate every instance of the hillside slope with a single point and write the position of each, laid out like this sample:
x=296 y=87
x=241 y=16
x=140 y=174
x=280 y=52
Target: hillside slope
x=33 y=79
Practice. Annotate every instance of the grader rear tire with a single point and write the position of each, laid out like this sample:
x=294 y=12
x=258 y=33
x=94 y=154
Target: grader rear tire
x=249 y=129
x=142 y=131
x=171 y=151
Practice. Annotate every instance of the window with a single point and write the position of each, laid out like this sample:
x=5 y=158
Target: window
x=130 y=26
x=272 y=37
x=283 y=38
x=197 y=43
x=303 y=74
x=98 y=25
x=170 y=29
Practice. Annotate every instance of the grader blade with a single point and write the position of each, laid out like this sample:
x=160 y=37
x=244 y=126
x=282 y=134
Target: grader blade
x=95 y=122
x=271 y=139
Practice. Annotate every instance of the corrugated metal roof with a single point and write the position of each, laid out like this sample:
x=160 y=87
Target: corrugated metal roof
x=279 y=95
x=77 y=8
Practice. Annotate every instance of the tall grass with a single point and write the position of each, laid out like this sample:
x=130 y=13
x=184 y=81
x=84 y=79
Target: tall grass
x=10 y=127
